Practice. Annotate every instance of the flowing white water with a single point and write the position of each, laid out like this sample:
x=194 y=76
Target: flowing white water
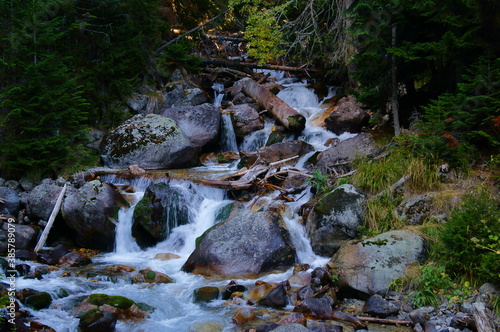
x=175 y=310
x=228 y=136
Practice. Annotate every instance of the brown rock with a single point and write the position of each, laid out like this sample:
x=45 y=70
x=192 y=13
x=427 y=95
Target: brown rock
x=120 y=268
x=243 y=315
x=294 y=317
x=166 y=256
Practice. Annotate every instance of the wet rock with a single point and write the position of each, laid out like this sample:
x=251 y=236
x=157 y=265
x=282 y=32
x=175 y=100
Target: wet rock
x=120 y=268
x=152 y=277
x=232 y=288
x=41 y=201
x=245 y=245
x=377 y=306
x=277 y=298
x=23 y=269
x=347 y=116
x=417 y=210
x=54 y=255
x=11 y=203
x=279 y=151
x=25 y=255
x=98 y=321
x=243 y=315
x=246 y=119
x=39 y=327
x=260 y=291
x=166 y=256
x=291 y=328
x=160 y=210
x=331 y=328
x=74 y=259
x=294 y=318
x=207 y=327
x=305 y=293
x=367 y=267
x=39 y=300
x=335 y=219
x=201 y=123
x=151 y=141
x=206 y=294
x=301 y=278
x=315 y=308
x=91 y=212
x=45 y=269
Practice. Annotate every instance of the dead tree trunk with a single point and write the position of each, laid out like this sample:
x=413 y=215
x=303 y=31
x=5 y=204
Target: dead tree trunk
x=290 y=118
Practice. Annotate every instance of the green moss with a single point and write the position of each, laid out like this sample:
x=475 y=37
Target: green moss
x=151 y=275
x=116 y=301
x=224 y=212
x=296 y=123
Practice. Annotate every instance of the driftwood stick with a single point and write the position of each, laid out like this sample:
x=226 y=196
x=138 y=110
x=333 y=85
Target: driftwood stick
x=282 y=161
x=189 y=32
x=52 y=217
x=385 y=321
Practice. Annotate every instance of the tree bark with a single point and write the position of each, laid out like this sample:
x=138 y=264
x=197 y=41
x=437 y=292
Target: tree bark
x=290 y=118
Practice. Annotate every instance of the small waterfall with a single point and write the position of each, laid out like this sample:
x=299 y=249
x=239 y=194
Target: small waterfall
x=124 y=242
x=257 y=139
x=218 y=96
x=228 y=136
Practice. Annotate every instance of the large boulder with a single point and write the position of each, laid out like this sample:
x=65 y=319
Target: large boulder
x=160 y=210
x=41 y=201
x=335 y=219
x=246 y=119
x=367 y=267
x=91 y=212
x=347 y=116
x=248 y=244
x=149 y=141
x=279 y=151
x=11 y=203
x=346 y=150
x=24 y=236
x=201 y=123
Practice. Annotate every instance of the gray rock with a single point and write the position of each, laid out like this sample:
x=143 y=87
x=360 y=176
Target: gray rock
x=149 y=141
x=27 y=184
x=360 y=145
x=13 y=184
x=417 y=210
x=41 y=201
x=377 y=306
x=201 y=124
x=248 y=244
x=335 y=219
x=11 y=204
x=25 y=236
x=246 y=119
x=291 y=328
x=91 y=212
x=347 y=116
x=316 y=308
x=367 y=267
x=137 y=102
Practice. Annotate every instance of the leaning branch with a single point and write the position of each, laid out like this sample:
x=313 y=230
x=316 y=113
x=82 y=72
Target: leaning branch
x=189 y=32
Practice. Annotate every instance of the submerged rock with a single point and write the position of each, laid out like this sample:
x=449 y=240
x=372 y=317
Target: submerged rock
x=367 y=267
x=246 y=245
x=335 y=219
x=92 y=212
x=150 y=141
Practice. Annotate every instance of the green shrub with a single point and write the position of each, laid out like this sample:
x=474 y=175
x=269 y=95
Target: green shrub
x=319 y=181
x=470 y=242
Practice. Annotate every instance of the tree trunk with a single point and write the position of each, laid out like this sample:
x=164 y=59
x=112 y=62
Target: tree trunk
x=394 y=97
x=290 y=118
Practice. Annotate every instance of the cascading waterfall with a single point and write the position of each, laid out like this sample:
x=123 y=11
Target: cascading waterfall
x=228 y=137
x=175 y=310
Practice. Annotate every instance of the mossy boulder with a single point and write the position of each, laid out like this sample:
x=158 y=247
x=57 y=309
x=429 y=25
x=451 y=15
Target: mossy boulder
x=39 y=300
x=160 y=210
x=150 y=141
x=206 y=294
x=97 y=321
x=117 y=301
x=92 y=212
x=335 y=219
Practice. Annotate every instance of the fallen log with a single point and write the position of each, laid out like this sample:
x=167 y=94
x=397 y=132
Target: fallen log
x=290 y=118
x=346 y=318
x=237 y=64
